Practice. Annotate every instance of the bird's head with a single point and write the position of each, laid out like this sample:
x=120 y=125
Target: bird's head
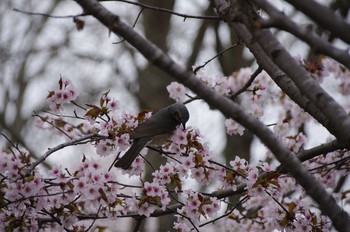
x=179 y=113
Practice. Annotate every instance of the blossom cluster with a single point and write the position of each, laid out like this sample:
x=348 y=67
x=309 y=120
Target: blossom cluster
x=65 y=94
x=267 y=198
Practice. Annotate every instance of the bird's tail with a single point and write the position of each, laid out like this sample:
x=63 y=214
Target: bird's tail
x=131 y=154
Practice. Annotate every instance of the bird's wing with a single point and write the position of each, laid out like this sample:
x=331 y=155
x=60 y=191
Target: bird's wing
x=150 y=128
x=159 y=123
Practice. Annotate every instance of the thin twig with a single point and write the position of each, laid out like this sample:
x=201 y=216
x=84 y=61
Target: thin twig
x=230 y=169
x=52 y=124
x=248 y=83
x=64 y=116
x=226 y=214
x=220 y=53
x=191 y=99
x=93 y=222
x=12 y=144
x=133 y=26
x=109 y=169
x=27 y=171
x=49 y=16
x=279 y=20
x=185 y=16
x=32 y=196
x=125 y=185
x=290 y=215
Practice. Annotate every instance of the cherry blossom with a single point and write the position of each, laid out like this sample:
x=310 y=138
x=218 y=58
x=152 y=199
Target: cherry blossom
x=177 y=91
x=232 y=127
x=275 y=198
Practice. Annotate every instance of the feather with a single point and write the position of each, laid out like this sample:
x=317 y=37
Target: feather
x=131 y=154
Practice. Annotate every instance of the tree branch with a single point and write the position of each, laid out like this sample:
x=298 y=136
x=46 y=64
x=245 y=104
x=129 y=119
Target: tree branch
x=279 y=77
x=185 y=16
x=48 y=15
x=230 y=109
x=281 y=21
x=324 y=17
x=339 y=120
x=27 y=171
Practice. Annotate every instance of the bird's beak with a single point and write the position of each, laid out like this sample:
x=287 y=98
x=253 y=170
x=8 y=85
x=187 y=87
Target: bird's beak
x=184 y=125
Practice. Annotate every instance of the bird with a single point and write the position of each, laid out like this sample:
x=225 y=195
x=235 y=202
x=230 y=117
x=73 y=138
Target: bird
x=158 y=127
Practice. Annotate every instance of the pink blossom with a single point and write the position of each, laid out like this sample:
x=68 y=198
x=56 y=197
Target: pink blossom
x=202 y=75
x=193 y=203
x=182 y=171
x=104 y=148
x=72 y=93
x=123 y=142
x=301 y=224
x=295 y=143
x=266 y=167
x=153 y=189
x=136 y=167
x=165 y=172
x=187 y=162
x=239 y=163
x=70 y=220
x=281 y=128
x=146 y=209
x=164 y=199
x=232 y=127
x=222 y=85
x=113 y=105
x=179 y=136
x=177 y=91
x=256 y=111
x=238 y=79
x=91 y=191
x=181 y=225
x=198 y=174
x=66 y=94
x=66 y=82
x=80 y=185
x=252 y=177
x=108 y=176
x=211 y=209
x=167 y=168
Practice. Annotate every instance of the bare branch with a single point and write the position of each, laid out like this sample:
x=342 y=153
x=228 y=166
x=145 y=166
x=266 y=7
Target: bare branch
x=226 y=214
x=281 y=21
x=248 y=83
x=279 y=77
x=81 y=140
x=185 y=16
x=220 y=53
x=48 y=15
x=320 y=150
x=324 y=17
x=52 y=124
x=339 y=120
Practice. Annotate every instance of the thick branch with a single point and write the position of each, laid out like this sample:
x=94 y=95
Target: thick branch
x=279 y=77
x=338 y=118
x=324 y=17
x=281 y=21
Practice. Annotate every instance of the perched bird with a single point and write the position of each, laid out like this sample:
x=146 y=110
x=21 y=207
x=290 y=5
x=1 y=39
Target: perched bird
x=158 y=127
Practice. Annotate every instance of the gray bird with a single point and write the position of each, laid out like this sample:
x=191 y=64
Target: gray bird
x=159 y=125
